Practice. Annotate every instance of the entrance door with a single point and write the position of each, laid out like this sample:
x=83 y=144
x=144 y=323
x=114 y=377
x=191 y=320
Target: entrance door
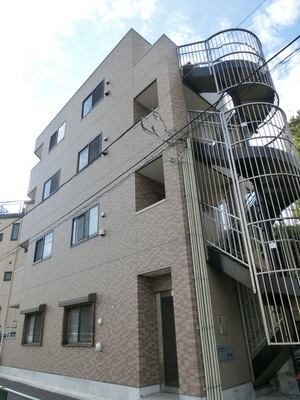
x=167 y=343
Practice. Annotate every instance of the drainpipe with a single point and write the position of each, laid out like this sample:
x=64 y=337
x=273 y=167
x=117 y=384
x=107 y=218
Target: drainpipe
x=213 y=386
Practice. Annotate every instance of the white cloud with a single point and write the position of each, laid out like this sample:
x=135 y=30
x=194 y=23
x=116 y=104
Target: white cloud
x=50 y=47
x=224 y=23
x=123 y=9
x=146 y=8
x=287 y=83
x=40 y=53
x=38 y=25
x=277 y=15
x=275 y=27
x=179 y=28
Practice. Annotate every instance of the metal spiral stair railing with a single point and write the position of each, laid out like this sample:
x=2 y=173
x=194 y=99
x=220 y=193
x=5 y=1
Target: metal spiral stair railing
x=248 y=177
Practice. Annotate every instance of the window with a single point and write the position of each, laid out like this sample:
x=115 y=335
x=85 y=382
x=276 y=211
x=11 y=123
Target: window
x=15 y=231
x=7 y=275
x=34 y=317
x=1 y=237
x=79 y=324
x=87 y=155
x=33 y=328
x=51 y=185
x=78 y=328
x=86 y=225
x=43 y=247
x=93 y=99
x=57 y=136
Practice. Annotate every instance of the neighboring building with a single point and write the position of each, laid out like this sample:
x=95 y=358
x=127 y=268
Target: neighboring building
x=162 y=247
x=11 y=259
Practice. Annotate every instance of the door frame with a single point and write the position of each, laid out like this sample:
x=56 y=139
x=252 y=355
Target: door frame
x=163 y=387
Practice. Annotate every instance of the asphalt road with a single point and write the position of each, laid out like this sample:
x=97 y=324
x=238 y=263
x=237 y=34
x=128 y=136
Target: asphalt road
x=30 y=391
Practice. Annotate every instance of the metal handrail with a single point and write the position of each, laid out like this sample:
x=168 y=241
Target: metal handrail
x=23 y=395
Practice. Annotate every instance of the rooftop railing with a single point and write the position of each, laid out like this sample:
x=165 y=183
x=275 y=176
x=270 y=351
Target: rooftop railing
x=12 y=207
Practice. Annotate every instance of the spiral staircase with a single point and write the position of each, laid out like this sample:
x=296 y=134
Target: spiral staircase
x=247 y=175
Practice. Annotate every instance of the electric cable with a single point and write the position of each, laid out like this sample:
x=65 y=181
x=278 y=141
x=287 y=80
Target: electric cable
x=184 y=127
x=171 y=88
x=213 y=106
x=249 y=15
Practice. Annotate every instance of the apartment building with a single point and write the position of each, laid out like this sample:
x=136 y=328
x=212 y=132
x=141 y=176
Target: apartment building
x=162 y=247
x=11 y=260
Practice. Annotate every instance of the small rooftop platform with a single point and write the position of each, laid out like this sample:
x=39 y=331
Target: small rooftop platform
x=12 y=209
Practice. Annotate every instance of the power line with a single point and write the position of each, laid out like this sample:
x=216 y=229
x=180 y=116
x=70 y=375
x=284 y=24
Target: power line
x=249 y=15
x=213 y=106
x=286 y=59
x=111 y=261
x=141 y=120
x=230 y=91
x=172 y=88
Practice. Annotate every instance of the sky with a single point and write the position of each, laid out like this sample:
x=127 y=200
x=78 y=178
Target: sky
x=50 y=47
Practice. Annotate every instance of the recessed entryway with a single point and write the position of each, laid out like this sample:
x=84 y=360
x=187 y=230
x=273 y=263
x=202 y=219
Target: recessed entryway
x=167 y=342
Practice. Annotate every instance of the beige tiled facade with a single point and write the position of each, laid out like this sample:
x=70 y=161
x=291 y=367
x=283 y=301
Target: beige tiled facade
x=145 y=249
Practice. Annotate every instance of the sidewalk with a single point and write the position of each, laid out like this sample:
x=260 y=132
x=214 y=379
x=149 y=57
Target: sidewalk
x=281 y=396
x=42 y=393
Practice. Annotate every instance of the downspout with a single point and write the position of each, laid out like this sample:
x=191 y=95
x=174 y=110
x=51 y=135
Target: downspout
x=213 y=386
